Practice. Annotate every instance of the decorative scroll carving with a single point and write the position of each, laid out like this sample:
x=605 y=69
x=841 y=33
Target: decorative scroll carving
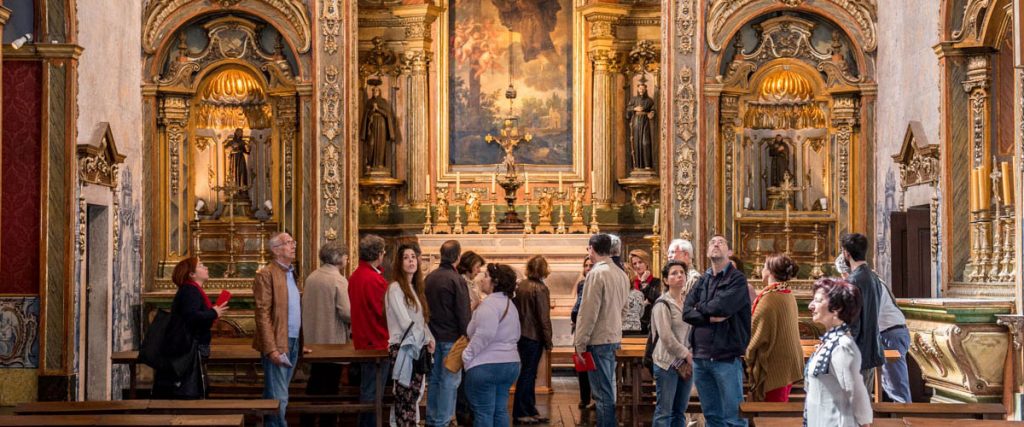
x=174 y=116
x=930 y=352
x=81 y=226
x=919 y=164
x=974 y=13
x=330 y=104
x=331 y=234
x=331 y=179
x=602 y=25
x=790 y=37
x=863 y=12
x=159 y=14
x=97 y=161
x=728 y=114
x=330 y=24
x=229 y=38
x=286 y=120
x=977 y=84
x=934 y=228
x=379 y=60
x=685 y=24
x=844 y=111
x=685 y=162
x=644 y=57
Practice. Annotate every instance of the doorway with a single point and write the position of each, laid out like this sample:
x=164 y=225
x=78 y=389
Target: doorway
x=911 y=252
x=96 y=351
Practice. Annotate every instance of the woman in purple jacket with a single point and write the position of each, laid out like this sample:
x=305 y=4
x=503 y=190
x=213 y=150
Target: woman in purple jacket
x=491 y=358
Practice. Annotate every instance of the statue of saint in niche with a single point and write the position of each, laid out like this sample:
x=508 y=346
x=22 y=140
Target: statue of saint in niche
x=640 y=114
x=778 y=164
x=237 y=169
x=378 y=133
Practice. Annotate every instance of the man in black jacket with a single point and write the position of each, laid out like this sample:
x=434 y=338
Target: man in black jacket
x=865 y=328
x=718 y=307
x=448 y=299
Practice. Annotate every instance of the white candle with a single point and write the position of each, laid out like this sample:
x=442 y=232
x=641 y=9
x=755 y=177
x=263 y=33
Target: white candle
x=493 y=179
x=527 y=188
x=656 y=211
x=458 y=181
x=559 y=181
x=593 y=182
x=428 y=185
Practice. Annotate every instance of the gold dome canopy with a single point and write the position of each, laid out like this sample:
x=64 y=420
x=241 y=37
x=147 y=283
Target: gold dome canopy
x=232 y=99
x=233 y=87
x=785 y=85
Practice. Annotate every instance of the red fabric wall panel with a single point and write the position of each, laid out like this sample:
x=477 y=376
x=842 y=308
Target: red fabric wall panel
x=20 y=196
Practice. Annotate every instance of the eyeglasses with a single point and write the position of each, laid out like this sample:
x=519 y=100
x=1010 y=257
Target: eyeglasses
x=288 y=243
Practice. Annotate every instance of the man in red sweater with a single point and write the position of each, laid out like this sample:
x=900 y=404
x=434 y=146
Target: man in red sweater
x=366 y=289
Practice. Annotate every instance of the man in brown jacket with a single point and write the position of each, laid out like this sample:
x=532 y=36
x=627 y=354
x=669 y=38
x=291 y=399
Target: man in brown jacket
x=278 y=322
x=326 y=316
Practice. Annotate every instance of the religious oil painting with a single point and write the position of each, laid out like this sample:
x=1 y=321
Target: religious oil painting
x=503 y=48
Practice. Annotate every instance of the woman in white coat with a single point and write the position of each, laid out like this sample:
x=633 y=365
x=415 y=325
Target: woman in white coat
x=407 y=333
x=836 y=396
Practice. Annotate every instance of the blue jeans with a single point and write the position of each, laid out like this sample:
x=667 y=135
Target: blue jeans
x=368 y=388
x=602 y=383
x=487 y=391
x=442 y=389
x=720 y=387
x=895 y=379
x=525 y=402
x=673 y=394
x=276 y=380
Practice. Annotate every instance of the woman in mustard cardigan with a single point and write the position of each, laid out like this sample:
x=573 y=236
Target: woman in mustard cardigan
x=774 y=355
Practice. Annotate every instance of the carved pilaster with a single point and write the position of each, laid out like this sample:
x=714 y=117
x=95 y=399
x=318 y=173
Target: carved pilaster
x=977 y=84
x=685 y=161
x=601 y=127
x=845 y=112
x=173 y=116
x=728 y=115
x=417 y=63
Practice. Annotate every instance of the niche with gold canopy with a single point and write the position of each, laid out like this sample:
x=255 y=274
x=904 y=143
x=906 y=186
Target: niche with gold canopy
x=786 y=163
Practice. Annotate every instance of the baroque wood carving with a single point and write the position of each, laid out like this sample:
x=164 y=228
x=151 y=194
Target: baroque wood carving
x=230 y=38
x=974 y=14
x=330 y=24
x=685 y=161
x=685 y=26
x=863 y=13
x=918 y=163
x=159 y=13
x=97 y=161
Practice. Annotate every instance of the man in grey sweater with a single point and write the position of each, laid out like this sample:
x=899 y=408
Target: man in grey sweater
x=599 y=325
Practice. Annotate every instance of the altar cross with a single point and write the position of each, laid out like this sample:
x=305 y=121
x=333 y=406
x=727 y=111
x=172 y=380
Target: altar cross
x=509 y=140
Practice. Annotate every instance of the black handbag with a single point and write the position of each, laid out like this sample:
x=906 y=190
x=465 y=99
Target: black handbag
x=424 y=363
x=168 y=345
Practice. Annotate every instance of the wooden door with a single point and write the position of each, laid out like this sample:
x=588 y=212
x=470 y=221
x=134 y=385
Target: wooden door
x=910 y=234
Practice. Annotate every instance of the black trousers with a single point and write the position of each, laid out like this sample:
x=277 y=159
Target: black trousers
x=324 y=378
x=524 y=403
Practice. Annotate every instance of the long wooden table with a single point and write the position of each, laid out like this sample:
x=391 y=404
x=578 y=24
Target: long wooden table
x=245 y=354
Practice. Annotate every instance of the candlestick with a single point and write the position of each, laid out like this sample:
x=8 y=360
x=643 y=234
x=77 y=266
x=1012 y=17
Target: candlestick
x=559 y=181
x=1007 y=170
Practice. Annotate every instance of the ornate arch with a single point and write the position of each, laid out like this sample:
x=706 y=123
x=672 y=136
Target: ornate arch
x=856 y=18
x=163 y=18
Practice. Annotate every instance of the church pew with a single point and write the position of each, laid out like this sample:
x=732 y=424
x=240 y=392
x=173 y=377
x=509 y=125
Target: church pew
x=946 y=422
x=795 y=421
x=253 y=409
x=123 y=420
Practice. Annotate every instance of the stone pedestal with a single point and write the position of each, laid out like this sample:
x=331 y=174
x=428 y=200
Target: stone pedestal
x=959 y=346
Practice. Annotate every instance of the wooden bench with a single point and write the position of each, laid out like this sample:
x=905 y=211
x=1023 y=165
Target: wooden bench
x=254 y=409
x=946 y=422
x=123 y=420
x=884 y=410
x=796 y=422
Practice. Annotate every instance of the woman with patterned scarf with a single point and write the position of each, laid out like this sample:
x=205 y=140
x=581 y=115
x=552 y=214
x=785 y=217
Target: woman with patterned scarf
x=774 y=355
x=836 y=396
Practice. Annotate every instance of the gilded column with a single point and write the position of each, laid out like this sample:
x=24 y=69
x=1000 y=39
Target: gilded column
x=601 y=134
x=728 y=114
x=601 y=20
x=418 y=20
x=173 y=116
x=977 y=84
x=285 y=115
x=844 y=118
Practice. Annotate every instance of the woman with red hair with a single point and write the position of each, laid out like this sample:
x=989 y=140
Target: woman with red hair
x=195 y=316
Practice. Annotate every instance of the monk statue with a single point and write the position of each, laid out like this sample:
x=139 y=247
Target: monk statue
x=237 y=168
x=377 y=133
x=640 y=114
x=778 y=154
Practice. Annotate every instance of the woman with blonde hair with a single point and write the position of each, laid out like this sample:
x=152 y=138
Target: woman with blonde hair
x=645 y=282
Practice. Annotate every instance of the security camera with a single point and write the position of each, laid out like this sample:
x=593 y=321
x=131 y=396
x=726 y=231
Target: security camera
x=20 y=41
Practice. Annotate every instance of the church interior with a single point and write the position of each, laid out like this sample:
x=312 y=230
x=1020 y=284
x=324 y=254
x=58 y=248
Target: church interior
x=136 y=134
